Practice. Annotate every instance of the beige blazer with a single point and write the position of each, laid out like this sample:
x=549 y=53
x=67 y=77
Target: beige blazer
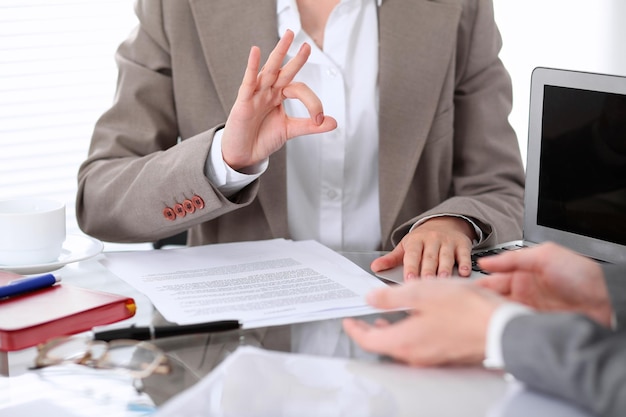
x=445 y=143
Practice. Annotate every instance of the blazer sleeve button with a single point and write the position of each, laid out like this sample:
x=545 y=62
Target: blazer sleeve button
x=198 y=202
x=188 y=206
x=169 y=213
x=179 y=210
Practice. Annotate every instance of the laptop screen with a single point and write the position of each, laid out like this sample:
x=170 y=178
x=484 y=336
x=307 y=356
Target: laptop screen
x=579 y=161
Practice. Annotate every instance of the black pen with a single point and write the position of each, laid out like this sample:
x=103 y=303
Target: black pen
x=158 y=332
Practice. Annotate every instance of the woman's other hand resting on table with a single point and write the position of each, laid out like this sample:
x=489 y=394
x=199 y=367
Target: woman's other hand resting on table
x=432 y=249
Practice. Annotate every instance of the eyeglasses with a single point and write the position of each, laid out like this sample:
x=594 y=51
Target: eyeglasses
x=137 y=358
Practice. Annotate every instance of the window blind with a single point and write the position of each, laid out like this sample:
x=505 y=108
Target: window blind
x=57 y=76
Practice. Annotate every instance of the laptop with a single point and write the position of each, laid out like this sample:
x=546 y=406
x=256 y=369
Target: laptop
x=575 y=191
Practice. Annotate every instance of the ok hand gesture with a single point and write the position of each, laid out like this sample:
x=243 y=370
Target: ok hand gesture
x=258 y=125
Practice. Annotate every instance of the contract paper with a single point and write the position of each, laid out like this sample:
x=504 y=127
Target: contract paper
x=260 y=283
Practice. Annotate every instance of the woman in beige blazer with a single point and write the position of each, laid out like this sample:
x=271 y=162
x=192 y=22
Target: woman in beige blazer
x=445 y=148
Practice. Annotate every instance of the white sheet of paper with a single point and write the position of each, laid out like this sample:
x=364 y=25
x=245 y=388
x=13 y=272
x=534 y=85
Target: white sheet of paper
x=35 y=408
x=259 y=283
x=72 y=390
x=253 y=382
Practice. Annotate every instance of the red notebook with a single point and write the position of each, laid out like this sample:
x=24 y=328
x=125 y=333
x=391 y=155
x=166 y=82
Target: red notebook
x=29 y=319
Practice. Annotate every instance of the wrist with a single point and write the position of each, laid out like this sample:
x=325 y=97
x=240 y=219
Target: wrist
x=501 y=317
x=456 y=222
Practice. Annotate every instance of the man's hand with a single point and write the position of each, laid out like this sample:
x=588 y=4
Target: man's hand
x=547 y=278
x=447 y=324
x=258 y=125
x=432 y=249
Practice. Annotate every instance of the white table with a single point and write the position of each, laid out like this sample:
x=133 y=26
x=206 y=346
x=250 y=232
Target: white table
x=468 y=392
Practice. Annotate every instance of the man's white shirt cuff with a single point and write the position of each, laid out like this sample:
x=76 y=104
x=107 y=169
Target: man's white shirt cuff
x=499 y=320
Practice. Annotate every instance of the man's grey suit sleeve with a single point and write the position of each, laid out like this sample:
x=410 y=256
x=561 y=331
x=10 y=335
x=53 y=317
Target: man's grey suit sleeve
x=571 y=356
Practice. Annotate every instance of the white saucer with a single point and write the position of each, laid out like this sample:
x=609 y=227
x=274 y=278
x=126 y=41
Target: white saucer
x=75 y=248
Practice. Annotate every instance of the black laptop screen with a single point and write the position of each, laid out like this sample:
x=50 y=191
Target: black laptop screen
x=582 y=180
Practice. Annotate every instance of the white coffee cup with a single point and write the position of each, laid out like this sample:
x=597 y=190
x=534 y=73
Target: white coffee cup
x=32 y=231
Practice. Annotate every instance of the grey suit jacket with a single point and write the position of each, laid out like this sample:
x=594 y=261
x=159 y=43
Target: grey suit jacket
x=571 y=356
x=445 y=142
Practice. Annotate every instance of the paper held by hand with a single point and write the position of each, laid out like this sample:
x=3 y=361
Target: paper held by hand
x=259 y=283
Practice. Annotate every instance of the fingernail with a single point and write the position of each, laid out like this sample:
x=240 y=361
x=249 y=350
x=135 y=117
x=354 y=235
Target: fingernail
x=444 y=275
x=411 y=277
x=319 y=119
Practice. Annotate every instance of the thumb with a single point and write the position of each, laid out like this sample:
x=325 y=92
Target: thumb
x=415 y=295
x=395 y=297
x=389 y=260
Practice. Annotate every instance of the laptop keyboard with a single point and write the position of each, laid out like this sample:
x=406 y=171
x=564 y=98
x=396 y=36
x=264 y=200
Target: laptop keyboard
x=490 y=252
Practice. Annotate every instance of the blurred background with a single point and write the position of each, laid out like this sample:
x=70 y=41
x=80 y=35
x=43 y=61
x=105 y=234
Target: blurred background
x=57 y=75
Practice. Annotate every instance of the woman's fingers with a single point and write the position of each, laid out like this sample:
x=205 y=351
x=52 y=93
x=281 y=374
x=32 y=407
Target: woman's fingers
x=311 y=101
x=291 y=68
x=249 y=82
x=301 y=127
x=270 y=72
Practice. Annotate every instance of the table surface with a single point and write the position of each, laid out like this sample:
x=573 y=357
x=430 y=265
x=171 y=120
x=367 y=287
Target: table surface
x=444 y=392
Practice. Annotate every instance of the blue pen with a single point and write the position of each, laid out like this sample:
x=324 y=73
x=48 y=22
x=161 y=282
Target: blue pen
x=27 y=284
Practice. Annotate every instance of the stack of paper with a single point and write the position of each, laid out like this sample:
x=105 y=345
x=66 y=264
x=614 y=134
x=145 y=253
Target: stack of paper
x=259 y=283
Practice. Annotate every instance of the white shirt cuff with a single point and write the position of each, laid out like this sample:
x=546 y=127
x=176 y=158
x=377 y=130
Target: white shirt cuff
x=227 y=180
x=614 y=323
x=479 y=233
x=500 y=318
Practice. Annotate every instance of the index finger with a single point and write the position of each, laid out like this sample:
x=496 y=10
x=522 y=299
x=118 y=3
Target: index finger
x=308 y=98
x=522 y=259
